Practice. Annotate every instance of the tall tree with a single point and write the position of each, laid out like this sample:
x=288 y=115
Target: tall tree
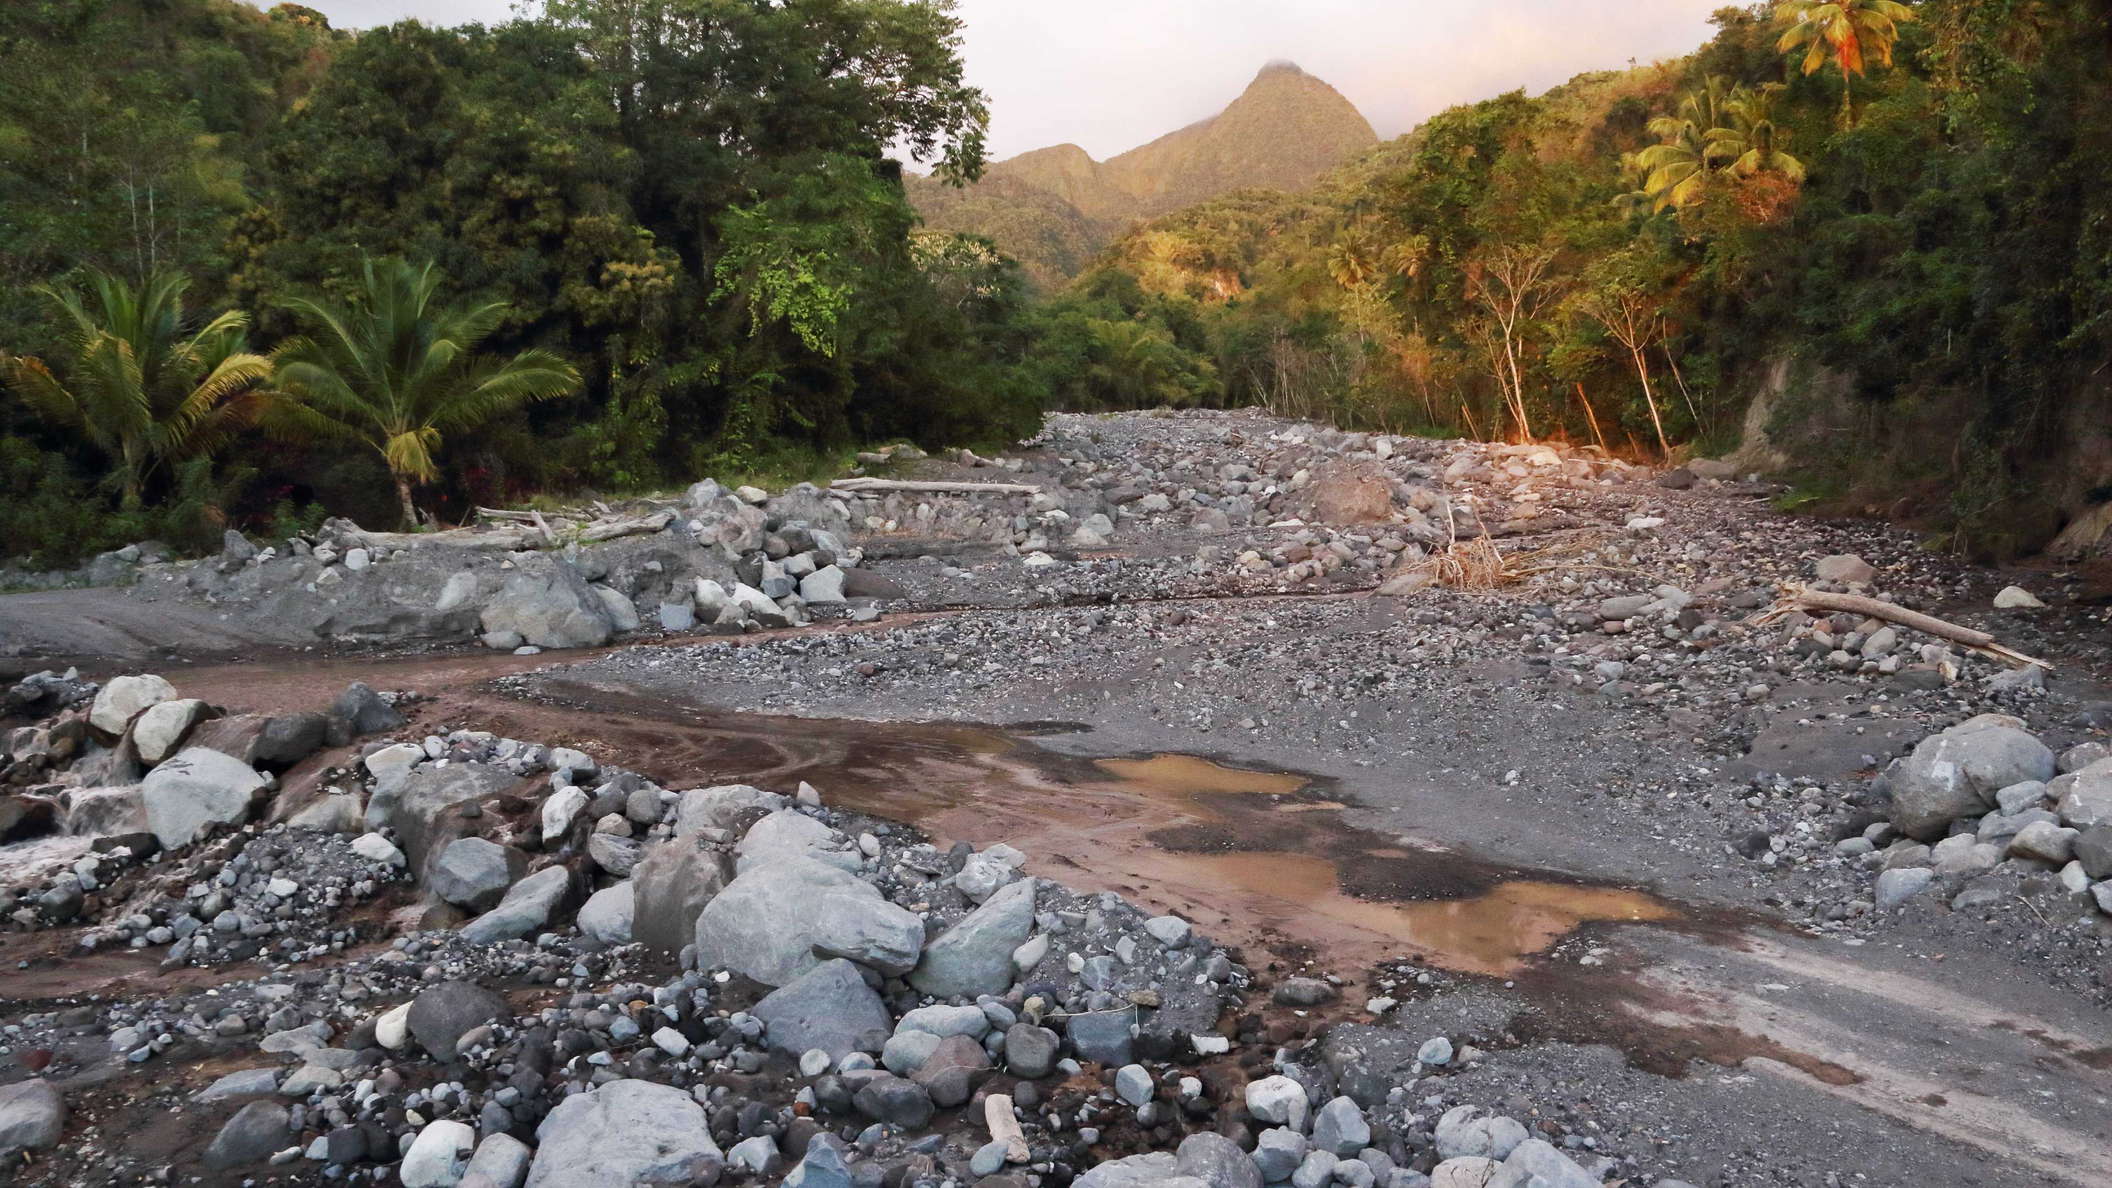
x=1751 y=141
x=141 y=384
x=1847 y=32
x=397 y=371
x=1513 y=284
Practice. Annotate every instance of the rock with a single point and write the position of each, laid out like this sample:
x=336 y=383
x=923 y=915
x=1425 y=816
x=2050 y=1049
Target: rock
x=975 y=955
x=255 y=1132
x=392 y=1028
x=823 y=587
x=1154 y=1169
x=248 y=1082
x=2084 y=797
x=289 y=738
x=1104 y=1037
x=1957 y=772
x=623 y=613
x=438 y=1156
x=1303 y=992
x=1435 y=1052
x=548 y=604
x=1339 y=1127
x=623 y=1134
x=1535 y=1163
x=2044 y=841
x=1895 y=887
x=122 y=698
x=1030 y=1051
x=670 y=885
x=417 y=805
x=500 y=1159
x=829 y=1007
x=1344 y=491
x=196 y=790
x=2093 y=851
x=606 y=916
x=788 y=832
x=160 y=728
x=560 y=810
x=823 y=1167
x=952 y=1071
x=1133 y=1084
x=528 y=906
x=616 y=855
x=375 y=848
x=778 y=921
x=1278 y=1101
x=889 y=1098
x=2017 y=598
x=32 y=1115
x=1467 y=1171
x=365 y=711
x=678 y=616
x=721 y=807
x=441 y=1015
x=473 y=873
x=1463 y=1132
x=1846 y=568
x=1279 y=1152
x=1217 y=1161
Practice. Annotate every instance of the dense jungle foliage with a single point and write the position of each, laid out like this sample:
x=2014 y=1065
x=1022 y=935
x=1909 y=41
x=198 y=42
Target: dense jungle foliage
x=1625 y=259
x=253 y=268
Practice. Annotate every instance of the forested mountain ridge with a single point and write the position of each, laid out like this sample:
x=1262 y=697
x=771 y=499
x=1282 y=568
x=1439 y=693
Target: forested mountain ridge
x=1899 y=267
x=1052 y=207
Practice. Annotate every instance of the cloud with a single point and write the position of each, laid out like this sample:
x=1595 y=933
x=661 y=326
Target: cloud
x=1112 y=74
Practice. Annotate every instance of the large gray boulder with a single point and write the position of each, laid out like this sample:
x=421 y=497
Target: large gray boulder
x=1957 y=772
x=528 y=907
x=1536 y=1163
x=975 y=955
x=828 y=1007
x=778 y=921
x=32 y=1115
x=721 y=807
x=161 y=728
x=2084 y=796
x=1217 y=1161
x=122 y=698
x=196 y=790
x=441 y=1015
x=624 y=1134
x=670 y=886
x=606 y=916
x=1153 y=1169
x=364 y=711
x=473 y=873
x=789 y=832
x=414 y=803
x=550 y=605
x=257 y=1131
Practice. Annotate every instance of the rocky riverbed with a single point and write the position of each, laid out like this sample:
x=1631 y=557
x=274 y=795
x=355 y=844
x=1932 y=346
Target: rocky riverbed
x=1221 y=801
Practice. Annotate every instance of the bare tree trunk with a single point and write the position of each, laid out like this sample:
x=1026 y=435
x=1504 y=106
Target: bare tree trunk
x=403 y=498
x=1590 y=416
x=1642 y=368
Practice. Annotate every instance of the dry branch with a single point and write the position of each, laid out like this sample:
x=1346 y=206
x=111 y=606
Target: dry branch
x=858 y=485
x=1797 y=598
x=636 y=526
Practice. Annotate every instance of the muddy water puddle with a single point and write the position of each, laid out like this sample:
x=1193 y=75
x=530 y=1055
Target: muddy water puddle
x=1253 y=856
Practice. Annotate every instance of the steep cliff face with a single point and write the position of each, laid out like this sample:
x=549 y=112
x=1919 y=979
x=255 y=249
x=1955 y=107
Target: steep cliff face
x=1053 y=208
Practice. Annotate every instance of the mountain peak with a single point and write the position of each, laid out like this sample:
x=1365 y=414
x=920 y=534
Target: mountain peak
x=1280 y=66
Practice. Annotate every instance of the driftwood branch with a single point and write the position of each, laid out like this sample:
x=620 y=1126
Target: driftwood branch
x=1799 y=598
x=856 y=485
x=636 y=526
x=496 y=540
x=1004 y=1128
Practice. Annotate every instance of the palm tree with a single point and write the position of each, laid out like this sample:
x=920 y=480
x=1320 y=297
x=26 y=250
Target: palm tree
x=1848 y=31
x=143 y=388
x=1752 y=141
x=396 y=371
x=1676 y=169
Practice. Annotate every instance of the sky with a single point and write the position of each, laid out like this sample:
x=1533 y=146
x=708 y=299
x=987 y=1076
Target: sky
x=1112 y=74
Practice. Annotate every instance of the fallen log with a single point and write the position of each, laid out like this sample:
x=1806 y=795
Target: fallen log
x=860 y=485
x=495 y=540
x=601 y=530
x=1799 y=598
